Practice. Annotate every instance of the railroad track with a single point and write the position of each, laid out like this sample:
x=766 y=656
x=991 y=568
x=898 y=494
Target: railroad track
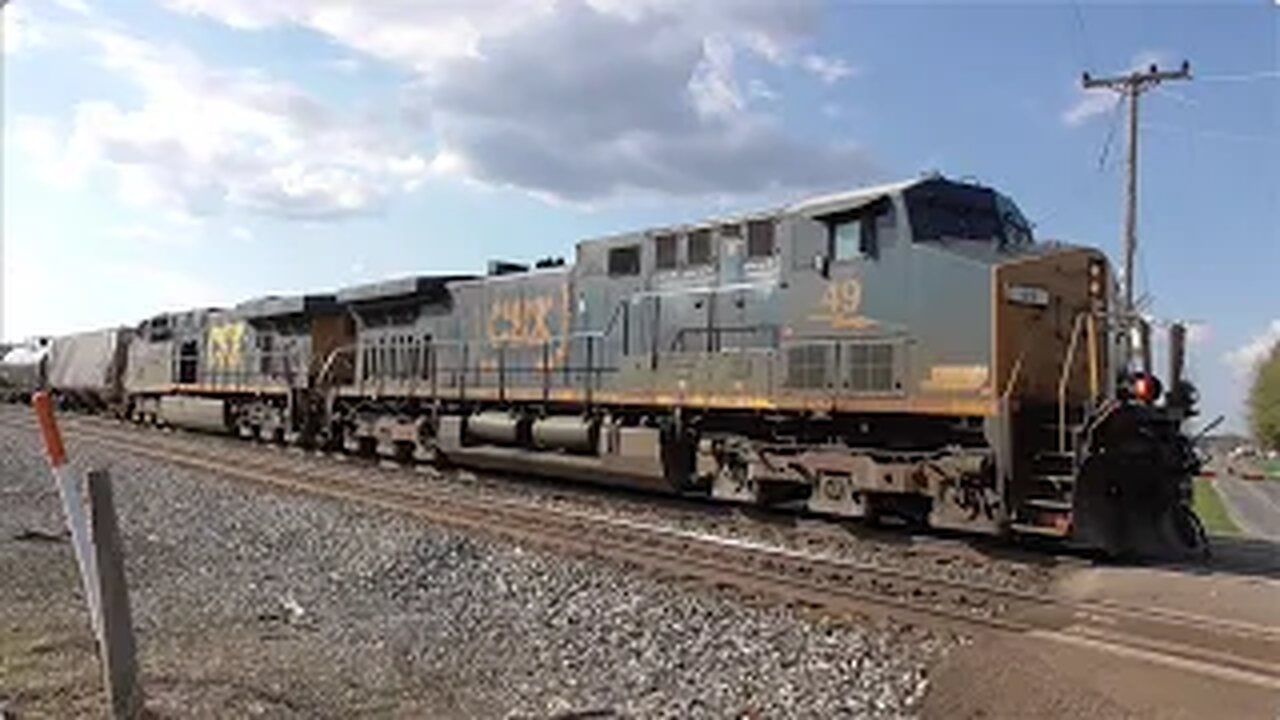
x=1243 y=652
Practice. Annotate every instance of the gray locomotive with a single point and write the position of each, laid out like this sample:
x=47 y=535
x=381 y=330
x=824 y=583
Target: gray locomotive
x=905 y=351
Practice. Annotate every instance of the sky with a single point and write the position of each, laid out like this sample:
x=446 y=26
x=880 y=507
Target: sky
x=167 y=154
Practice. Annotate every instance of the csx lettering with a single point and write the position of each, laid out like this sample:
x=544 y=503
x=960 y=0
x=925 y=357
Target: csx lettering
x=520 y=321
x=224 y=346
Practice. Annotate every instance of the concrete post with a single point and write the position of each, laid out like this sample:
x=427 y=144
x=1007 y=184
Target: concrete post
x=117 y=646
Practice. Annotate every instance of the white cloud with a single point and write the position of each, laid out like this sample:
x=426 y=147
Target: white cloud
x=150 y=235
x=79 y=7
x=201 y=139
x=1244 y=359
x=714 y=87
x=758 y=89
x=827 y=69
x=167 y=289
x=1199 y=333
x=581 y=99
x=22 y=30
x=1090 y=104
x=241 y=232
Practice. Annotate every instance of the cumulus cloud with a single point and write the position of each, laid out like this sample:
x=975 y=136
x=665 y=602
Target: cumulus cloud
x=1089 y=104
x=151 y=235
x=827 y=69
x=201 y=139
x=22 y=30
x=1244 y=359
x=580 y=99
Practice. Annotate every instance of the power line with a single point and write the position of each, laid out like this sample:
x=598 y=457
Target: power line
x=1111 y=134
x=1213 y=134
x=1084 y=47
x=1241 y=77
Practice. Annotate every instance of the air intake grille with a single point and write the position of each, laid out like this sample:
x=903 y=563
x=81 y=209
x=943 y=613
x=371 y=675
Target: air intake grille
x=807 y=366
x=870 y=367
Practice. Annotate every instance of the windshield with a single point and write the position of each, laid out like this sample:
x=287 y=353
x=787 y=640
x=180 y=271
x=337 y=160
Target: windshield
x=941 y=210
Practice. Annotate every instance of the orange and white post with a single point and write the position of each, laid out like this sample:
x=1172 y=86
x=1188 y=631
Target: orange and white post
x=73 y=504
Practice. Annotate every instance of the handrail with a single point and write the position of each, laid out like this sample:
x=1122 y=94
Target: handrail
x=1015 y=375
x=1065 y=378
x=720 y=331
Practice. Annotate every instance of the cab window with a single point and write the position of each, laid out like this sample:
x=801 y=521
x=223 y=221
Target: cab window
x=846 y=239
x=665 y=256
x=624 y=260
x=856 y=233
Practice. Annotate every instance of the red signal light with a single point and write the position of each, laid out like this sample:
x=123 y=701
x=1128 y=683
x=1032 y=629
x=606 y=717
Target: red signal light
x=1142 y=388
x=1146 y=388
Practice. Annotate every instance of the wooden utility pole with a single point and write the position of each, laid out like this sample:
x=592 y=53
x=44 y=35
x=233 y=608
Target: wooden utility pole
x=1131 y=86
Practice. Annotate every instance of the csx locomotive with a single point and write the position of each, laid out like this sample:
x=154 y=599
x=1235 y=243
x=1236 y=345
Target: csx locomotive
x=903 y=351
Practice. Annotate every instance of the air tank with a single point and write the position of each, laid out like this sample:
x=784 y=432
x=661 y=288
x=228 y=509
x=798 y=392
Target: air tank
x=567 y=432
x=194 y=412
x=494 y=428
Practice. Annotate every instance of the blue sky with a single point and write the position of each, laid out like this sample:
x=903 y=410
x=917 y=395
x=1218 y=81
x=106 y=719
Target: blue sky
x=186 y=152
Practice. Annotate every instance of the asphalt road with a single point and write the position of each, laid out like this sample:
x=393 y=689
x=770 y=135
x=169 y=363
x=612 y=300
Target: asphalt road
x=1253 y=504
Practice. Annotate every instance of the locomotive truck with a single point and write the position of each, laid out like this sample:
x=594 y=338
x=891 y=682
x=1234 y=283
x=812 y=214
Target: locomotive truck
x=905 y=351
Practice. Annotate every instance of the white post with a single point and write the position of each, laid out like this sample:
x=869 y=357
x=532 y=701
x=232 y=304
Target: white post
x=73 y=506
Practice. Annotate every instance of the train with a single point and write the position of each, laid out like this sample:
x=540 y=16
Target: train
x=907 y=352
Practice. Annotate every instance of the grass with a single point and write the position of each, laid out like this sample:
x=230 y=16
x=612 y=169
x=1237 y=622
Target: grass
x=1271 y=468
x=1208 y=505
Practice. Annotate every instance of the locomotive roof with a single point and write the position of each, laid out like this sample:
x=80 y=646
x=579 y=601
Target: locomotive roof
x=275 y=306
x=429 y=286
x=857 y=196
x=816 y=205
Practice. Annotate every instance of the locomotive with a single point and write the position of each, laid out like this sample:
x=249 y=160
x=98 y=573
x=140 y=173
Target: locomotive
x=905 y=351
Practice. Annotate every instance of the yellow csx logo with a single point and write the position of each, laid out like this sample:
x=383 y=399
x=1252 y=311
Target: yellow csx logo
x=840 y=304
x=531 y=322
x=521 y=321
x=225 y=342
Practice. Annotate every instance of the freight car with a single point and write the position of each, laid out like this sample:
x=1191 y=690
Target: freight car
x=22 y=369
x=906 y=351
x=84 y=370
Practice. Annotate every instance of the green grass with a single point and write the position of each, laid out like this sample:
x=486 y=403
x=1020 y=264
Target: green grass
x=1208 y=505
x=1271 y=468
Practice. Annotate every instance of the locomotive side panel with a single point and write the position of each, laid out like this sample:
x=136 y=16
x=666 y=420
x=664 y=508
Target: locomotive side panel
x=876 y=322
x=516 y=330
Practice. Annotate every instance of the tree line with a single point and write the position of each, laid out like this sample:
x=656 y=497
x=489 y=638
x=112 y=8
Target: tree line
x=1264 y=401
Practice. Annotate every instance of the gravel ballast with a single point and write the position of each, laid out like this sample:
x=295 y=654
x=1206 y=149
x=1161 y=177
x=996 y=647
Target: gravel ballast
x=249 y=602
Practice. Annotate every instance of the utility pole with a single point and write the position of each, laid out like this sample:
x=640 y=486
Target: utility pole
x=1131 y=86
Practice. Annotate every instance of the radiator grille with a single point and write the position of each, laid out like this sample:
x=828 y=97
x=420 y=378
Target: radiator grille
x=870 y=367
x=807 y=366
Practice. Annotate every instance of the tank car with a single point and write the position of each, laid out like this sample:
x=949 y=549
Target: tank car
x=23 y=369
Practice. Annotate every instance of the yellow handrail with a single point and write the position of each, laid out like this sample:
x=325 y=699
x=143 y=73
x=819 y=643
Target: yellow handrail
x=1066 y=378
